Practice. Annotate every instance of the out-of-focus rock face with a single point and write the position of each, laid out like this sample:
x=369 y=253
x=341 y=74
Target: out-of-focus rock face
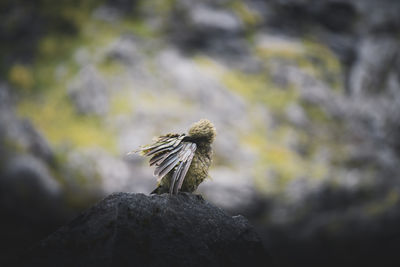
x=195 y=25
x=88 y=92
x=305 y=96
x=20 y=133
x=136 y=230
x=30 y=197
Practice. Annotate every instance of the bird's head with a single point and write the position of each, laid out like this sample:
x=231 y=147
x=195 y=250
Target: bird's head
x=203 y=130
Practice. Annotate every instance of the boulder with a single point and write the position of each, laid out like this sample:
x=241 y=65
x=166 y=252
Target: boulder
x=88 y=91
x=127 y=229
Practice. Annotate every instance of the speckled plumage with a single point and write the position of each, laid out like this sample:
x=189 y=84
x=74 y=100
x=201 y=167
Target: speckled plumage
x=178 y=148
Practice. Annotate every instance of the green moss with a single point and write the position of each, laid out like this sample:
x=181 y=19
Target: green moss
x=205 y=62
x=284 y=51
x=55 y=116
x=311 y=57
x=161 y=8
x=140 y=28
x=324 y=63
x=248 y=16
x=48 y=105
x=315 y=113
x=21 y=76
x=277 y=163
x=259 y=88
x=378 y=207
x=121 y=104
x=110 y=68
x=11 y=146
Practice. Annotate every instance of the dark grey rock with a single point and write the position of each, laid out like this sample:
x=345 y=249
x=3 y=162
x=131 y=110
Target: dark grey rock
x=31 y=204
x=36 y=142
x=19 y=133
x=33 y=173
x=207 y=26
x=128 y=229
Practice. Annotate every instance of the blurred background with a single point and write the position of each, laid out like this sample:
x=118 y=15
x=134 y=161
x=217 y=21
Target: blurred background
x=305 y=96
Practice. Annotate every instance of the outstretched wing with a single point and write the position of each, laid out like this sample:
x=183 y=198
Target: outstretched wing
x=169 y=152
x=185 y=159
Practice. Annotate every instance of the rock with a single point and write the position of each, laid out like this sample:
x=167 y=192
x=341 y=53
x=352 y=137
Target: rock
x=89 y=93
x=107 y=174
x=160 y=230
x=28 y=166
x=122 y=6
x=234 y=191
x=36 y=142
x=376 y=61
x=107 y=13
x=211 y=19
x=296 y=115
x=19 y=133
x=25 y=183
x=204 y=26
x=124 y=50
x=30 y=204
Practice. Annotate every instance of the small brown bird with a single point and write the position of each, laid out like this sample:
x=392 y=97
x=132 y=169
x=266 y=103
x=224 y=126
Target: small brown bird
x=182 y=161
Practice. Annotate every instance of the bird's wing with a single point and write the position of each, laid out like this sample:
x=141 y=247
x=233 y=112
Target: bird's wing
x=186 y=158
x=161 y=144
x=169 y=152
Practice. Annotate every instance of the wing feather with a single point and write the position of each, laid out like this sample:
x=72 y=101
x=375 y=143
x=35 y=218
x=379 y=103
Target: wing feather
x=180 y=173
x=159 y=158
x=171 y=159
x=168 y=168
x=163 y=147
x=176 y=174
x=161 y=144
x=169 y=152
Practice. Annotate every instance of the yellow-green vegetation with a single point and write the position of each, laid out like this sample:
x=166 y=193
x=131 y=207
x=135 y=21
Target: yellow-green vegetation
x=278 y=161
x=324 y=64
x=280 y=49
x=311 y=57
x=315 y=113
x=160 y=8
x=254 y=87
x=386 y=204
x=109 y=68
x=160 y=11
x=43 y=95
x=121 y=104
x=49 y=107
x=43 y=90
x=55 y=116
x=21 y=77
x=248 y=16
x=168 y=100
x=259 y=88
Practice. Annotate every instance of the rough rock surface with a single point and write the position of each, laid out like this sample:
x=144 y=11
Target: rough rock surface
x=127 y=229
x=308 y=142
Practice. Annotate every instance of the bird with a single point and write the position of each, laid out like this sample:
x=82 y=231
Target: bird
x=182 y=160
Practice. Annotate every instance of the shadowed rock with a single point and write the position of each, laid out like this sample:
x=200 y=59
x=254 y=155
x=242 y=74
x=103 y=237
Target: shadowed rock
x=128 y=229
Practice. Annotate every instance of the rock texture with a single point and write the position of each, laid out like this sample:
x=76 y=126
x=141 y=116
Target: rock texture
x=127 y=229
x=305 y=96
